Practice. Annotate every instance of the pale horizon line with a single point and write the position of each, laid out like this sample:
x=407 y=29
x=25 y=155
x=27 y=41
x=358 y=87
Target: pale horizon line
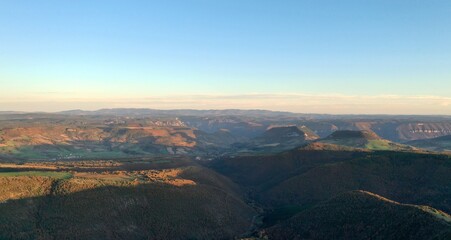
x=291 y=102
x=218 y=109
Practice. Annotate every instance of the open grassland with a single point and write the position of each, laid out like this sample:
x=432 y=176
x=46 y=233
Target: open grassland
x=120 y=164
x=41 y=178
x=56 y=175
x=371 y=144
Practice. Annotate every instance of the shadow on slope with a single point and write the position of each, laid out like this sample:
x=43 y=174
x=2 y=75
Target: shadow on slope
x=405 y=177
x=254 y=171
x=304 y=177
x=79 y=210
x=364 y=215
x=439 y=144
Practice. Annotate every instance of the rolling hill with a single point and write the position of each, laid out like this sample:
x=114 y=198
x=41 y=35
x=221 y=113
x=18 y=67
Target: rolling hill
x=303 y=177
x=69 y=141
x=439 y=144
x=179 y=203
x=275 y=139
x=363 y=215
x=363 y=139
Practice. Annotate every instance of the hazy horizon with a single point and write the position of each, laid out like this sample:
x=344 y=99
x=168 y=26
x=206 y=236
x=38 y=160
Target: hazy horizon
x=298 y=103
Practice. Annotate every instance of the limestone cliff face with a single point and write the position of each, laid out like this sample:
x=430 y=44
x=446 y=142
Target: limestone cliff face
x=414 y=131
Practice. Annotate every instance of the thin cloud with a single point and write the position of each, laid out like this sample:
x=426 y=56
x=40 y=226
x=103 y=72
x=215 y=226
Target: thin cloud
x=312 y=103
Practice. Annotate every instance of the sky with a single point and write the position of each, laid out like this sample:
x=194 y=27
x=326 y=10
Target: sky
x=362 y=57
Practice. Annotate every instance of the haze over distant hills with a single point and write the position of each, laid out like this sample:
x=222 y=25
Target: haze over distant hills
x=435 y=144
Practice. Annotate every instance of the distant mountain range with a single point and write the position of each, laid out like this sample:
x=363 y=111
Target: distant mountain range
x=397 y=128
x=178 y=112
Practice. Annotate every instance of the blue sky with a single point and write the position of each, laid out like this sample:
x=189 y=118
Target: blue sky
x=95 y=54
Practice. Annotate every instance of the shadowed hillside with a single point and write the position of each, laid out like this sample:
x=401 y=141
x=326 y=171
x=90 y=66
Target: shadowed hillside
x=257 y=170
x=304 y=177
x=439 y=144
x=363 y=215
x=164 y=204
x=408 y=178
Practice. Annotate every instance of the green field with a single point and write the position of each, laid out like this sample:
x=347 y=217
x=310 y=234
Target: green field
x=379 y=145
x=58 y=175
